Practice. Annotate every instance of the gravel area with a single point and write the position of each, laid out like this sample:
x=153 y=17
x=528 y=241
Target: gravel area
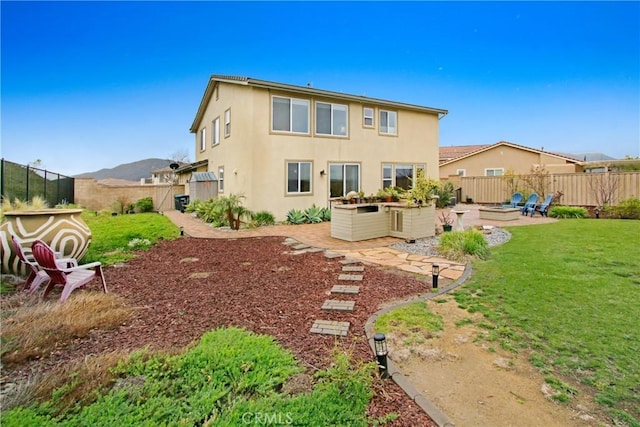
x=429 y=246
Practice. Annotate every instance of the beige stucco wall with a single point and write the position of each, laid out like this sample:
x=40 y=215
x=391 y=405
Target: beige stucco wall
x=92 y=195
x=255 y=158
x=513 y=159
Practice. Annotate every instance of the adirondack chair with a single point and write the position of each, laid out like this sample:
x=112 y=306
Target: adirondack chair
x=36 y=276
x=530 y=204
x=542 y=207
x=71 y=278
x=515 y=200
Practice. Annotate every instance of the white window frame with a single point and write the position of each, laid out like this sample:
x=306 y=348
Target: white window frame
x=461 y=172
x=392 y=166
x=215 y=137
x=220 y=179
x=493 y=171
x=203 y=139
x=292 y=101
x=345 y=190
x=384 y=129
x=332 y=112
x=227 y=123
x=298 y=192
x=371 y=116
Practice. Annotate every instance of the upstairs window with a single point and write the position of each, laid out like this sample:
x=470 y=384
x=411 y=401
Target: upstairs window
x=289 y=115
x=298 y=177
x=215 y=139
x=331 y=119
x=388 y=122
x=227 y=123
x=367 y=117
x=203 y=139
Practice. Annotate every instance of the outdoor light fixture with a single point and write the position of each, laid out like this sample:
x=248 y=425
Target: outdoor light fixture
x=182 y=231
x=597 y=213
x=380 y=344
x=322 y=172
x=174 y=166
x=435 y=272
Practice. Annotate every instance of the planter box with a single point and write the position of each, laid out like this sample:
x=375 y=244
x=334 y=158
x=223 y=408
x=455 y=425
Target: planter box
x=499 y=214
x=62 y=229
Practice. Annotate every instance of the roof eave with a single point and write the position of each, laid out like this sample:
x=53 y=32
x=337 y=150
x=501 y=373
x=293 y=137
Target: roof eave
x=246 y=81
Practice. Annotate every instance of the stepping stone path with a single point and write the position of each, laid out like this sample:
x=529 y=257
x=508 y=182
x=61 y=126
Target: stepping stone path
x=349 y=267
x=328 y=327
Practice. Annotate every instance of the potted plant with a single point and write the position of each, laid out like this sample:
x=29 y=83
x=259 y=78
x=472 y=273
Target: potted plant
x=447 y=222
x=383 y=196
x=352 y=196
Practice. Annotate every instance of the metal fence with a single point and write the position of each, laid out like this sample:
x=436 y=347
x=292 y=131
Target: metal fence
x=25 y=182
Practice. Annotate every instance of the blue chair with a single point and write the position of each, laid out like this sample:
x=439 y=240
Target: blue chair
x=530 y=204
x=543 y=207
x=515 y=200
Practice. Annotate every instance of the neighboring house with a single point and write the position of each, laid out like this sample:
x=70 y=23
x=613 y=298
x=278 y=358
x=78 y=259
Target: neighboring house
x=284 y=146
x=500 y=158
x=164 y=175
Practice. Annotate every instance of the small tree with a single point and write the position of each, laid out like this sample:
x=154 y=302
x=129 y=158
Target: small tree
x=604 y=187
x=232 y=206
x=512 y=182
x=538 y=180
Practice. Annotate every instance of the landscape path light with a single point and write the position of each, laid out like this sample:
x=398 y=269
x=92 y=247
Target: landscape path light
x=435 y=272
x=380 y=344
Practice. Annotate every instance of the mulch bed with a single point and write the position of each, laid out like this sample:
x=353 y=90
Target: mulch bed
x=185 y=287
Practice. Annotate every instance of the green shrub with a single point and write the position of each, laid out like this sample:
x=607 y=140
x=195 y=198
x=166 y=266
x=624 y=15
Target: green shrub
x=264 y=218
x=313 y=214
x=210 y=211
x=568 y=212
x=295 y=216
x=326 y=214
x=144 y=205
x=626 y=209
x=445 y=193
x=460 y=245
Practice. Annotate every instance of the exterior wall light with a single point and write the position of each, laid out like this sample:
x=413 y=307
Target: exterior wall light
x=435 y=272
x=380 y=344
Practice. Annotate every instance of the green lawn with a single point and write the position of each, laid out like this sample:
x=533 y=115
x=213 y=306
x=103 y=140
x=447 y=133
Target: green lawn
x=111 y=235
x=570 y=292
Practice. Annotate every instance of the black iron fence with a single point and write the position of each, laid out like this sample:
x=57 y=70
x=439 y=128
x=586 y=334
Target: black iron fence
x=24 y=182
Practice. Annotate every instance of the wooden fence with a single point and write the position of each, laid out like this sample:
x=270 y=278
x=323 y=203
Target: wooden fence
x=579 y=189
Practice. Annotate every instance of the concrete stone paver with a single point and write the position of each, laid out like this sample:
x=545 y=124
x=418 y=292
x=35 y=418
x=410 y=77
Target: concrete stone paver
x=353 y=268
x=342 y=289
x=351 y=277
x=330 y=327
x=338 y=305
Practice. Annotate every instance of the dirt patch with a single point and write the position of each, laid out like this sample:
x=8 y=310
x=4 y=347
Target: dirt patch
x=475 y=384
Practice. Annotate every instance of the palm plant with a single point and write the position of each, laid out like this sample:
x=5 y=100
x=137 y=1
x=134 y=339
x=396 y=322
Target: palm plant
x=232 y=206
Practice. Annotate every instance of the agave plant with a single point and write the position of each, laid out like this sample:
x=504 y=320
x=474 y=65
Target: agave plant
x=326 y=214
x=295 y=216
x=313 y=214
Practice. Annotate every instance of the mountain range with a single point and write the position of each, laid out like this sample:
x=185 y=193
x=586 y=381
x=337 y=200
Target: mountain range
x=129 y=171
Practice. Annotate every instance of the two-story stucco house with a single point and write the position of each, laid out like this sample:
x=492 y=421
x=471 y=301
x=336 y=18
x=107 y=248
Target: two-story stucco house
x=284 y=146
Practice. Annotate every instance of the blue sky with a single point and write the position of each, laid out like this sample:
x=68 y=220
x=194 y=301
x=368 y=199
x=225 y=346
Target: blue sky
x=90 y=85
